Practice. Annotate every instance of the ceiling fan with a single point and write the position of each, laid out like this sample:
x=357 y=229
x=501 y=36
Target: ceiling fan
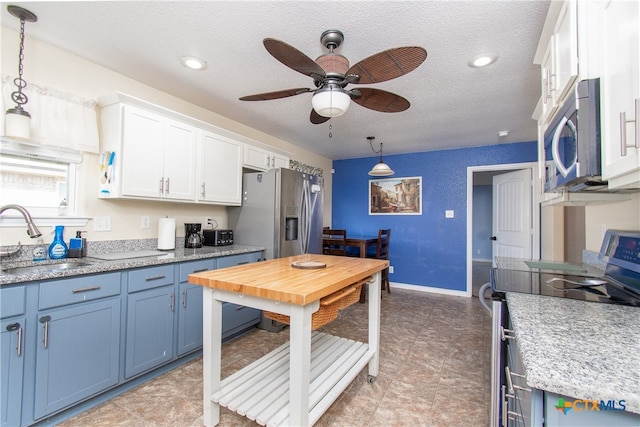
x=331 y=74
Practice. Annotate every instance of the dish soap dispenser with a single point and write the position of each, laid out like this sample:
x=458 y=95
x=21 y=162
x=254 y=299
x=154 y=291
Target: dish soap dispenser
x=58 y=248
x=40 y=251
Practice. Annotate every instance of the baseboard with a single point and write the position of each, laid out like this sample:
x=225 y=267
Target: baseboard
x=429 y=289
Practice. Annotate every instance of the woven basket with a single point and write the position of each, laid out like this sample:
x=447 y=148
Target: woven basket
x=329 y=306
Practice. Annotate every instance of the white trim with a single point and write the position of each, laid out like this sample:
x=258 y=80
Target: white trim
x=14 y=221
x=535 y=191
x=430 y=289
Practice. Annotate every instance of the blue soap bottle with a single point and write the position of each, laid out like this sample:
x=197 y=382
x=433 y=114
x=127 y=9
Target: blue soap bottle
x=58 y=248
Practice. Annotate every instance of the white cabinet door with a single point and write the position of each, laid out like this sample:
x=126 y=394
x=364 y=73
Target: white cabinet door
x=220 y=165
x=565 y=42
x=142 y=154
x=179 y=161
x=259 y=159
x=620 y=97
x=256 y=158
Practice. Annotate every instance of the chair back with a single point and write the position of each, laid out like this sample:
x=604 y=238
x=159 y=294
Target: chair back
x=334 y=242
x=382 y=250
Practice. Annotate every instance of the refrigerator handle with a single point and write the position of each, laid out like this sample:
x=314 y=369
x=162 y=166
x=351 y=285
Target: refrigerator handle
x=305 y=219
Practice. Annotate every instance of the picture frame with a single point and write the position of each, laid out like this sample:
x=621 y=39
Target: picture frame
x=395 y=196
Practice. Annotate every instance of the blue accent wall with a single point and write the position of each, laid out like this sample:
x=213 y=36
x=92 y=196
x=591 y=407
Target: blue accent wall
x=428 y=249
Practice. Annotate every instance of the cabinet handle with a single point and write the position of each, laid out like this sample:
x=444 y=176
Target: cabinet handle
x=504 y=406
x=240 y=307
x=150 y=278
x=200 y=271
x=161 y=186
x=173 y=301
x=167 y=189
x=203 y=192
x=45 y=321
x=507 y=371
x=243 y=263
x=623 y=129
x=88 y=288
x=273 y=162
x=267 y=161
x=506 y=334
x=16 y=327
x=184 y=298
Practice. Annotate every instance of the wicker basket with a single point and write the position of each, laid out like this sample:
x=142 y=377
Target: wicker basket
x=329 y=306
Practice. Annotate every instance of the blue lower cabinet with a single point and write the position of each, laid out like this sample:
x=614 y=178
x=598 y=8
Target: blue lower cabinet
x=189 y=318
x=11 y=370
x=149 y=341
x=77 y=353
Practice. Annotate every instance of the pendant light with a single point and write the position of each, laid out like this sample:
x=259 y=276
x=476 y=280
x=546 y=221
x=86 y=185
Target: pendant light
x=17 y=120
x=380 y=168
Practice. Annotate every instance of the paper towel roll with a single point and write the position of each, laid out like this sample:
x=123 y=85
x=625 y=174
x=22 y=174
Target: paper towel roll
x=166 y=233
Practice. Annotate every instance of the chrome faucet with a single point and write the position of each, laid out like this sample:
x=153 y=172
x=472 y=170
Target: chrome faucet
x=32 y=230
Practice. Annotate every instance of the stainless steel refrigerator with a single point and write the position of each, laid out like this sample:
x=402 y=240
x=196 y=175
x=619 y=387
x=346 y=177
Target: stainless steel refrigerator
x=282 y=211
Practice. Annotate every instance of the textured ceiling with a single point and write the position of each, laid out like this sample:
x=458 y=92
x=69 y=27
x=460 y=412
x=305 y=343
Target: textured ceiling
x=452 y=104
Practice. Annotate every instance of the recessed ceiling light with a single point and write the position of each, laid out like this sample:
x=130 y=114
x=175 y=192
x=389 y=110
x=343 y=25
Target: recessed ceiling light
x=193 y=63
x=483 y=60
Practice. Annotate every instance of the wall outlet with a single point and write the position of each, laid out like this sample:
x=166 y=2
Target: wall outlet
x=207 y=221
x=101 y=223
x=391 y=269
x=145 y=222
x=448 y=213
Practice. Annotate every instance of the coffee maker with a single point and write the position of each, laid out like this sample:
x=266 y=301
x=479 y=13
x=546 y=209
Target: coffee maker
x=193 y=237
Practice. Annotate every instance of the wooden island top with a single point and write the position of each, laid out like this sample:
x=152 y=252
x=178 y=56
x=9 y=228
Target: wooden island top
x=277 y=280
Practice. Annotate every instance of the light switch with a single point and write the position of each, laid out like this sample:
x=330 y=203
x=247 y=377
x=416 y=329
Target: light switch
x=448 y=213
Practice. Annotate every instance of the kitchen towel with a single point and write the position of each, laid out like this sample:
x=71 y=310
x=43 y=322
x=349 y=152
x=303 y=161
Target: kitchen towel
x=166 y=234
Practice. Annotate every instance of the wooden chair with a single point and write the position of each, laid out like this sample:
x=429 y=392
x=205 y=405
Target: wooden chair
x=382 y=252
x=334 y=242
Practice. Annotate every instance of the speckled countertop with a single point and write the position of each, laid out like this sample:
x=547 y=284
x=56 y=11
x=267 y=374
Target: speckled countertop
x=95 y=265
x=581 y=349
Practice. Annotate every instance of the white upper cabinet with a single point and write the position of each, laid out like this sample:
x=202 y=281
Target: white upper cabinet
x=558 y=55
x=261 y=159
x=219 y=169
x=154 y=156
x=620 y=93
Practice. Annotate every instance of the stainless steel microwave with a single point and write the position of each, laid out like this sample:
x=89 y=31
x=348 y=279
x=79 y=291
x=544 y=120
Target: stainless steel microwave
x=572 y=142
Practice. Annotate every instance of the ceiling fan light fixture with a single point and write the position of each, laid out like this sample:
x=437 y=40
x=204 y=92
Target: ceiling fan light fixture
x=330 y=102
x=483 y=60
x=193 y=63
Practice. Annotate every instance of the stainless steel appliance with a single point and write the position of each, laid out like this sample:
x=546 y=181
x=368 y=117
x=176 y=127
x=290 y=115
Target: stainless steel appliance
x=572 y=142
x=619 y=283
x=217 y=237
x=282 y=211
x=192 y=235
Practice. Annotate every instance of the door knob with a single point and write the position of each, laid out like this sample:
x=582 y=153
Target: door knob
x=493 y=238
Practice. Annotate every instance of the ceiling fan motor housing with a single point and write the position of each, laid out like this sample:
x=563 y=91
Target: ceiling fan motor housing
x=334 y=65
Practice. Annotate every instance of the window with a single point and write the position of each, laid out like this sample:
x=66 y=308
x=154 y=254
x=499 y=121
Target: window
x=44 y=185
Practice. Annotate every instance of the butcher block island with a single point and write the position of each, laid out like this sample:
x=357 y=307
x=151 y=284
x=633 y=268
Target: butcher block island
x=297 y=382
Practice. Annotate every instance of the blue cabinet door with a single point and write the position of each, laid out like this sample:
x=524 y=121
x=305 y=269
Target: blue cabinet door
x=149 y=340
x=78 y=353
x=11 y=370
x=189 y=318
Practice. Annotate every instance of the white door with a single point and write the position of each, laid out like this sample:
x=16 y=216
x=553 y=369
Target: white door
x=512 y=214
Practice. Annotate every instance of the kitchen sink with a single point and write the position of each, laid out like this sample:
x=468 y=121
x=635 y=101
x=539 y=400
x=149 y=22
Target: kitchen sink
x=46 y=268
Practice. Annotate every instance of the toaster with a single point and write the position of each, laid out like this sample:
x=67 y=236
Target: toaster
x=218 y=237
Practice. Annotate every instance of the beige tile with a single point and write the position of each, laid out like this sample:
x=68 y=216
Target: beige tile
x=434 y=371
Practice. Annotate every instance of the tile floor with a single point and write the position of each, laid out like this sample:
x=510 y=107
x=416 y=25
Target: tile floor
x=434 y=371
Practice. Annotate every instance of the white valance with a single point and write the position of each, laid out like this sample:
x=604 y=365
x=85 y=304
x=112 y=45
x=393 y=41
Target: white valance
x=58 y=119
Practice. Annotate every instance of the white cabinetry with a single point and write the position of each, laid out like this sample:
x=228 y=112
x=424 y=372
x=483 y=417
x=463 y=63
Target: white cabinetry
x=261 y=159
x=155 y=155
x=559 y=60
x=620 y=93
x=219 y=169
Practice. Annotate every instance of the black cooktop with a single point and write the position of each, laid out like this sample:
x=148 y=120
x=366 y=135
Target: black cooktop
x=619 y=283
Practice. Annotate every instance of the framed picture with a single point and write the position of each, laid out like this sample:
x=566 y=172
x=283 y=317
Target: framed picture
x=395 y=196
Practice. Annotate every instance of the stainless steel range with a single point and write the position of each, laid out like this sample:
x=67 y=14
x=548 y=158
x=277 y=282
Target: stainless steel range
x=617 y=283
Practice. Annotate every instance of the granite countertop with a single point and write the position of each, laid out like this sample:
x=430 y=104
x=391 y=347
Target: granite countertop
x=580 y=349
x=96 y=265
